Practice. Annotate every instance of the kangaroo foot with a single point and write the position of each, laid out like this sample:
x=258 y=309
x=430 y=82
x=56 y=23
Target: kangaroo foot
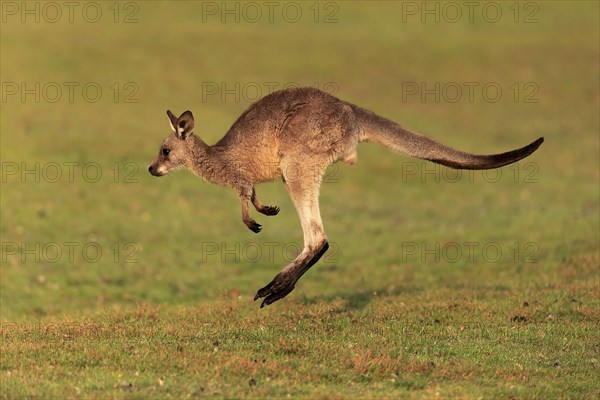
x=253 y=225
x=277 y=289
x=285 y=281
x=269 y=210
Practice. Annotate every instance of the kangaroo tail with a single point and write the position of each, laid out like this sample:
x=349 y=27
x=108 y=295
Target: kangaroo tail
x=381 y=130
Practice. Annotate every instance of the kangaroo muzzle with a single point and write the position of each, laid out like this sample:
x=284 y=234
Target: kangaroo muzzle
x=155 y=171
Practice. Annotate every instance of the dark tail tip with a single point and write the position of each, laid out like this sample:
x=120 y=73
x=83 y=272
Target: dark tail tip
x=530 y=148
x=510 y=157
x=533 y=146
x=515 y=155
x=472 y=161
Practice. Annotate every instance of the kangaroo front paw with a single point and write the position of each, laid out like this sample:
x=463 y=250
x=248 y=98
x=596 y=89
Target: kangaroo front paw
x=253 y=226
x=270 y=210
x=277 y=289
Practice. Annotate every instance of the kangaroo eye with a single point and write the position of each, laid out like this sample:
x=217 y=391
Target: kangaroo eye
x=165 y=151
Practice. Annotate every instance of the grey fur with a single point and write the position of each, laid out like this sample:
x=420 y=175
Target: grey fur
x=294 y=134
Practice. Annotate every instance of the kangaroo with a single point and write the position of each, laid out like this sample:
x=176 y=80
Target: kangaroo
x=295 y=134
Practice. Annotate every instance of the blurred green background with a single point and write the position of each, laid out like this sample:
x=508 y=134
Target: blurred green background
x=216 y=58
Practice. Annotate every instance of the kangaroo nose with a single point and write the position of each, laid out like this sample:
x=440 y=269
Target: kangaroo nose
x=150 y=169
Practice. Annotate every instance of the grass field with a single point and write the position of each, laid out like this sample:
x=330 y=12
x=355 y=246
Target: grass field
x=116 y=284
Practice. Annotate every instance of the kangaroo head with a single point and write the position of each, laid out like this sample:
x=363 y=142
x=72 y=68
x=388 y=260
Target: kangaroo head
x=174 y=152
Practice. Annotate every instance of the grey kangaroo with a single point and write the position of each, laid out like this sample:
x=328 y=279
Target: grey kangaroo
x=294 y=134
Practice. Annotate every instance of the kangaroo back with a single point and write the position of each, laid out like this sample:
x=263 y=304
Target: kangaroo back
x=381 y=130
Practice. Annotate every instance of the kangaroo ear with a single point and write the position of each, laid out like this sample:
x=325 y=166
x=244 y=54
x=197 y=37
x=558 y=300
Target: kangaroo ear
x=172 y=120
x=185 y=125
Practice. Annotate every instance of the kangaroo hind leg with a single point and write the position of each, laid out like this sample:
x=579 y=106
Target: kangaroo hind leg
x=304 y=191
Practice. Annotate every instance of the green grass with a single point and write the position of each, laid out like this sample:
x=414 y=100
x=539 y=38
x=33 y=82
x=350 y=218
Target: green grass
x=373 y=319
x=455 y=342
